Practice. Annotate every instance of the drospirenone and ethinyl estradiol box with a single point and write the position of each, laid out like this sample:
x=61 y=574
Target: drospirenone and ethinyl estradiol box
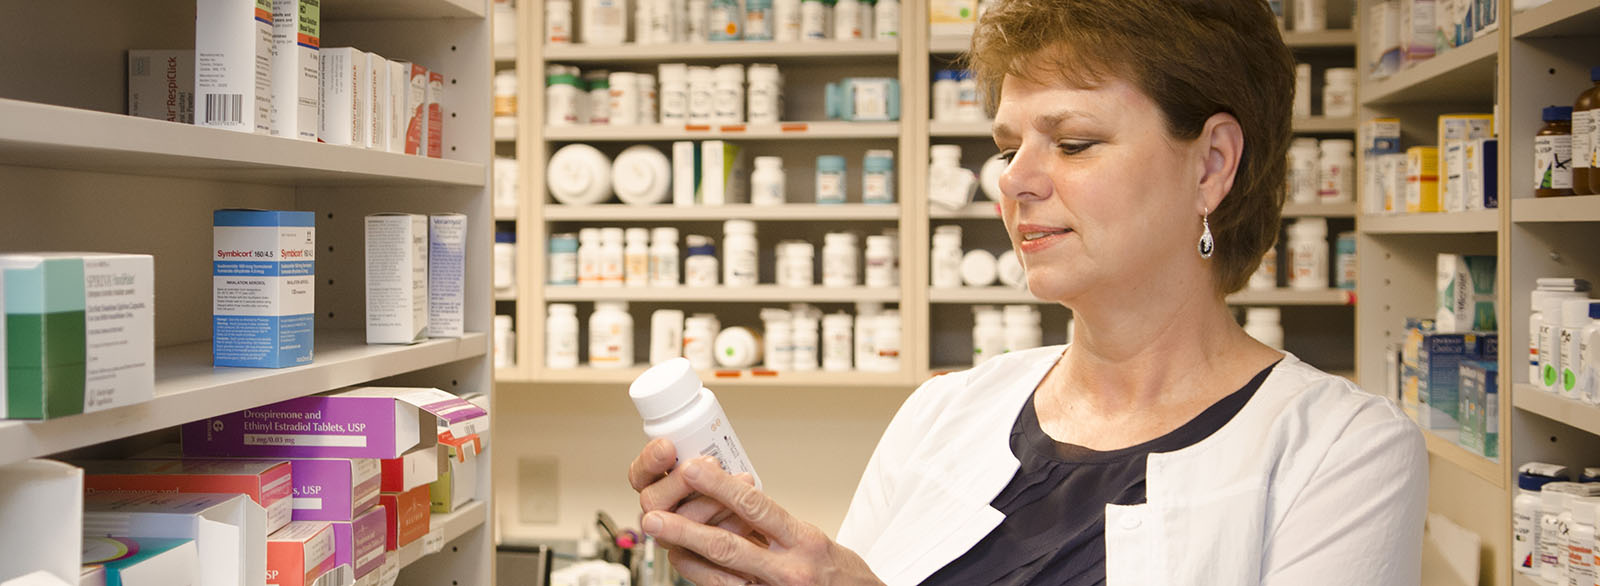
x=263 y=288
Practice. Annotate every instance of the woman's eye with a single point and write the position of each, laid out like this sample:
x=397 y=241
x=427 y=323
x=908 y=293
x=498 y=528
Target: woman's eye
x=1075 y=147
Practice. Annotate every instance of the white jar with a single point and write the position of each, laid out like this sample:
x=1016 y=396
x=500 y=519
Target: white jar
x=727 y=98
x=836 y=349
x=662 y=25
x=740 y=251
x=1308 y=254
x=697 y=21
x=505 y=93
x=578 y=174
x=866 y=332
x=830 y=179
x=880 y=261
x=847 y=20
x=636 y=258
x=605 y=22
x=702 y=86
x=950 y=186
x=664 y=257
x=1580 y=542
x=737 y=347
x=1310 y=15
x=623 y=107
x=768 y=184
x=988 y=333
x=886 y=20
x=610 y=335
x=1302 y=90
x=612 y=257
x=1303 y=178
x=1336 y=176
x=777 y=339
x=1266 y=275
x=840 y=259
x=806 y=344
x=561 y=336
x=563 y=259
x=796 y=266
x=766 y=94
x=1012 y=273
x=505 y=262
x=877 y=177
x=1022 y=329
x=563 y=101
x=666 y=335
x=674 y=94
x=677 y=406
x=699 y=336
x=1525 y=513
x=1339 y=92
x=506 y=187
x=945 y=258
x=1589 y=355
x=814 y=20
x=1264 y=324
x=886 y=340
x=599 y=83
x=641 y=175
x=589 y=257
x=1574 y=319
x=648 y=99
x=1550 y=341
x=1551 y=547
x=946 y=95
x=700 y=266
x=978 y=268
x=968 y=106
x=557 y=22
x=786 y=20
x=505 y=342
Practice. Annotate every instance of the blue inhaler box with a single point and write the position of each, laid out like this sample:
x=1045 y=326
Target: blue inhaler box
x=263 y=276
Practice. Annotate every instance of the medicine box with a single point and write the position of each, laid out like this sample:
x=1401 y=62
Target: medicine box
x=686 y=171
x=447 y=275
x=1383 y=37
x=233 y=65
x=144 y=561
x=952 y=17
x=368 y=422
x=458 y=484
x=266 y=482
x=1454 y=131
x=1392 y=169
x=415 y=468
x=229 y=531
x=416 y=109
x=399 y=87
x=1417 y=30
x=324 y=489
x=1411 y=372
x=358 y=543
x=408 y=515
x=1439 y=364
x=378 y=102
x=397 y=278
x=723 y=176
x=1480 y=408
x=1422 y=180
x=342 y=114
x=1482 y=173
x=44 y=501
x=296 y=67
x=263 y=269
x=79 y=333
x=299 y=553
x=435 y=114
x=161 y=85
x=1465 y=293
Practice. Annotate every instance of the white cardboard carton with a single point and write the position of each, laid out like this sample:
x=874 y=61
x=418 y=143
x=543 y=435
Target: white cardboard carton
x=397 y=278
x=341 y=111
x=376 y=94
x=296 y=67
x=447 y=275
x=230 y=532
x=161 y=85
x=233 y=65
x=47 y=498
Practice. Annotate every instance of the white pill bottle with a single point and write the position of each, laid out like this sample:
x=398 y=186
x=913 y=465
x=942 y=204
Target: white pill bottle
x=676 y=406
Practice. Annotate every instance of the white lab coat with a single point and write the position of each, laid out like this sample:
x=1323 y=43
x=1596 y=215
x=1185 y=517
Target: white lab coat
x=1313 y=482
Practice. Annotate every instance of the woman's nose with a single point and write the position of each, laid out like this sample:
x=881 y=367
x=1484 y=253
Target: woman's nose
x=1024 y=178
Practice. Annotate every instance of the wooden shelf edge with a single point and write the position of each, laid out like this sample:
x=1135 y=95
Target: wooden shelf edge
x=1556 y=408
x=1471 y=222
x=453 y=525
x=1388 y=90
x=1447 y=449
x=661 y=212
x=757 y=294
x=795 y=130
x=580 y=53
x=1534 y=210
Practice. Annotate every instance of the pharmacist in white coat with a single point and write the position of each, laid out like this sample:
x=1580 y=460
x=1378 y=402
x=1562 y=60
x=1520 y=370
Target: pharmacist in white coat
x=1146 y=144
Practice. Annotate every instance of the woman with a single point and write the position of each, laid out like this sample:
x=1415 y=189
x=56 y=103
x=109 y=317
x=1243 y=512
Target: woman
x=1146 y=141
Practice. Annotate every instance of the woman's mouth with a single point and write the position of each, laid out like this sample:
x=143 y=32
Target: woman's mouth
x=1036 y=238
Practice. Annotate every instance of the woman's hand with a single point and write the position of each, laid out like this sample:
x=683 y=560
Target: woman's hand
x=799 y=554
x=660 y=491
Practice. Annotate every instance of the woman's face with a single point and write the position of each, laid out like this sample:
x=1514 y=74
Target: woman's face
x=1097 y=194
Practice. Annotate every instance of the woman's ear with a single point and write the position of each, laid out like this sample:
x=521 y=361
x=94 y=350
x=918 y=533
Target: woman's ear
x=1222 y=140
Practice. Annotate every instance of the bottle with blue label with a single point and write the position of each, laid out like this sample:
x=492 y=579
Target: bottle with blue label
x=726 y=21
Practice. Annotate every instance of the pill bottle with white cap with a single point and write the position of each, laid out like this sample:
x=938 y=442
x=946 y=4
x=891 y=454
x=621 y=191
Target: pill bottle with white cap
x=676 y=406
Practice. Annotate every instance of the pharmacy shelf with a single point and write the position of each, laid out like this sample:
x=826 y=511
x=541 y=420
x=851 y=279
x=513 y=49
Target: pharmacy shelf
x=1323 y=125
x=1294 y=297
x=1442 y=443
x=1556 y=407
x=1559 y=18
x=949 y=44
x=505 y=53
x=980 y=210
x=1521 y=579
x=40 y=135
x=505 y=296
x=1463 y=74
x=401 y=9
x=444 y=528
x=745 y=51
x=800 y=212
x=1473 y=222
x=996 y=295
x=1579 y=208
x=505 y=129
x=756 y=294
x=731 y=378
x=781 y=131
x=1329 y=39
x=188 y=388
x=1319 y=210
x=961 y=129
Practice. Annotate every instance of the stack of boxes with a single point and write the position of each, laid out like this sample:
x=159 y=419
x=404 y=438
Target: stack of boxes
x=1457 y=175
x=1449 y=373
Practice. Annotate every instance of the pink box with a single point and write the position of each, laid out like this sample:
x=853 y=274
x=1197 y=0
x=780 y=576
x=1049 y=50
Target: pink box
x=368 y=422
x=325 y=489
x=359 y=543
x=407 y=514
x=299 y=553
x=268 y=483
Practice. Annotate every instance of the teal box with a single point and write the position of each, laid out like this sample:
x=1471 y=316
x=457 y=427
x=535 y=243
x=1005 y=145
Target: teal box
x=1480 y=408
x=1439 y=368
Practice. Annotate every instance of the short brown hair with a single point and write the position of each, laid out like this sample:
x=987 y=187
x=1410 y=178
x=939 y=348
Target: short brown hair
x=1194 y=59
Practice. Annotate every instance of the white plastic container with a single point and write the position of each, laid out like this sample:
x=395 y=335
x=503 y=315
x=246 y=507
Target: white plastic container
x=697 y=21
x=1525 y=513
x=1310 y=15
x=1302 y=90
x=765 y=94
x=561 y=336
x=768 y=184
x=968 y=107
x=557 y=22
x=978 y=268
x=664 y=257
x=623 y=95
x=840 y=259
x=741 y=260
x=505 y=342
x=1308 y=254
x=1550 y=550
x=1303 y=174
x=1264 y=324
x=589 y=257
x=699 y=337
x=886 y=340
x=579 y=174
x=946 y=95
x=702 y=87
x=649 y=100
x=777 y=339
x=700 y=266
x=1336 y=176
x=636 y=259
x=599 y=98
x=1580 y=542
x=612 y=257
x=815 y=18
x=1022 y=330
x=989 y=177
x=505 y=262
x=505 y=93
x=805 y=344
x=605 y=22
x=1566 y=288
x=642 y=176
x=563 y=250
x=666 y=335
x=886 y=20
x=1339 y=92
x=737 y=347
x=796 y=264
x=945 y=261
x=727 y=98
x=610 y=335
x=866 y=333
x=830 y=179
x=1574 y=319
x=674 y=93
x=950 y=186
x=877 y=177
x=988 y=333
x=1266 y=276
x=837 y=352
x=786 y=20
x=675 y=405
x=880 y=262
x=1011 y=272
x=1589 y=354
x=847 y=20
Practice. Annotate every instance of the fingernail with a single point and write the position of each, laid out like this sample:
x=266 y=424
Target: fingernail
x=692 y=471
x=651 y=524
x=662 y=452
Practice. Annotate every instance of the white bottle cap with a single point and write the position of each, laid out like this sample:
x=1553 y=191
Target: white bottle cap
x=1343 y=146
x=611 y=235
x=738 y=227
x=978 y=268
x=664 y=388
x=730 y=73
x=665 y=235
x=589 y=235
x=639 y=236
x=562 y=309
x=764 y=163
x=839 y=239
x=674 y=73
x=1583 y=510
x=1262 y=315
x=945 y=152
x=764 y=72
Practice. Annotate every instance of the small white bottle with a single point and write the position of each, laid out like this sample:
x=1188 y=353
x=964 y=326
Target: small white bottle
x=563 y=259
x=610 y=335
x=886 y=340
x=866 y=334
x=636 y=258
x=1336 y=176
x=830 y=179
x=945 y=258
x=505 y=342
x=741 y=260
x=1580 y=542
x=697 y=21
x=674 y=94
x=675 y=405
x=765 y=94
x=599 y=97
x=1022 y=329
x=1266 y=275
x=561 y=336
x=1339 y=92
x=805 y=344
x=951 y=186
x=968 y=106
x=978 y=268
x=837 y=352
x=623 y=94
x=1551 y=546
x=946 y=95
x=1550 y=342
x=1589 y=355
x=700 y=266
x=796 y=264
x=1547 y=287
x=605 y=22
x=727 y=98
x=505 y=262
x=1302 y=91
x=649 y=100
x=814 y=20
x=1264 y=324
x=699 y=337
x=777 y=339
x=737 y=347
x=666 y=335
x=1525 y=513
x=1308 y=254
x=988 y=333
x=886 y=20
x=847 y=20
x=589 y=257
x=840 y=259
x=664 y=257
x=702 y=88
x=786 y=20
x=612 y=257
x=767 y=183
x=1310 y=15
x=877 y=177
x=1574 y=318
x=880 y=261
x=558 y=22
x=1304 y=164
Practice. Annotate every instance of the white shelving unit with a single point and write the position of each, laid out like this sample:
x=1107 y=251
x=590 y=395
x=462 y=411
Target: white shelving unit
x=813 y=130
x=885 y=51
x=83 y=176
x=667 y=213
x=756 y=294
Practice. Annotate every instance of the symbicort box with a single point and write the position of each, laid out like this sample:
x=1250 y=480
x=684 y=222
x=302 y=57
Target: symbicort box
x=408 y=515
x=368 y=422
x=265 y=482
x=263 y=268
x=299 y=553
x=359 y=543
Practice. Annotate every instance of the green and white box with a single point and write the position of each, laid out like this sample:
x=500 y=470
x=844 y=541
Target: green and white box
x=296 y=67
x=79 y=333
x=1465 y=294
x=723 y=178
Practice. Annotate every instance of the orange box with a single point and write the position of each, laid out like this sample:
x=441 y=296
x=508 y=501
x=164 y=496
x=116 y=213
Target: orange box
x=299 y=553
x=408 y=513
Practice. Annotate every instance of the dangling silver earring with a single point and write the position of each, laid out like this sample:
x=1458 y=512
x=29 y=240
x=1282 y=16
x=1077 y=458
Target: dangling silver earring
x=1208 y=244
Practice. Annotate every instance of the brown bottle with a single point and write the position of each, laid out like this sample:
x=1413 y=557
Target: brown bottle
x=1552 y=154
x=1585 y=113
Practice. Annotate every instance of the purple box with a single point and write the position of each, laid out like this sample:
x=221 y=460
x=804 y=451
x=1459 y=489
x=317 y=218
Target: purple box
x=334 y=489
x=369 y=422
x=359 y=543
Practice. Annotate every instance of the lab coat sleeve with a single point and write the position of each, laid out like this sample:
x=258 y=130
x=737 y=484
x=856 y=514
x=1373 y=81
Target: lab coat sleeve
x=1360 y=519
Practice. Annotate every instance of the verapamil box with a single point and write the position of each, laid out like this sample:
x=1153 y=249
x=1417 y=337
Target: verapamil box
x=368 y=422
x=359 y=543
x=300 y=552
x=263 y=269
x=397 y=278
x=265 y=482
x=408 y=514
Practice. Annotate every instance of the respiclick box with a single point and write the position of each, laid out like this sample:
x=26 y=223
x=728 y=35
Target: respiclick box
x=397 y=278
x=435 y=114
x=161 y=85
x=233 y=65
x=447 y=275
x=263 y=279
x=296 y=67
x=368 y=422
